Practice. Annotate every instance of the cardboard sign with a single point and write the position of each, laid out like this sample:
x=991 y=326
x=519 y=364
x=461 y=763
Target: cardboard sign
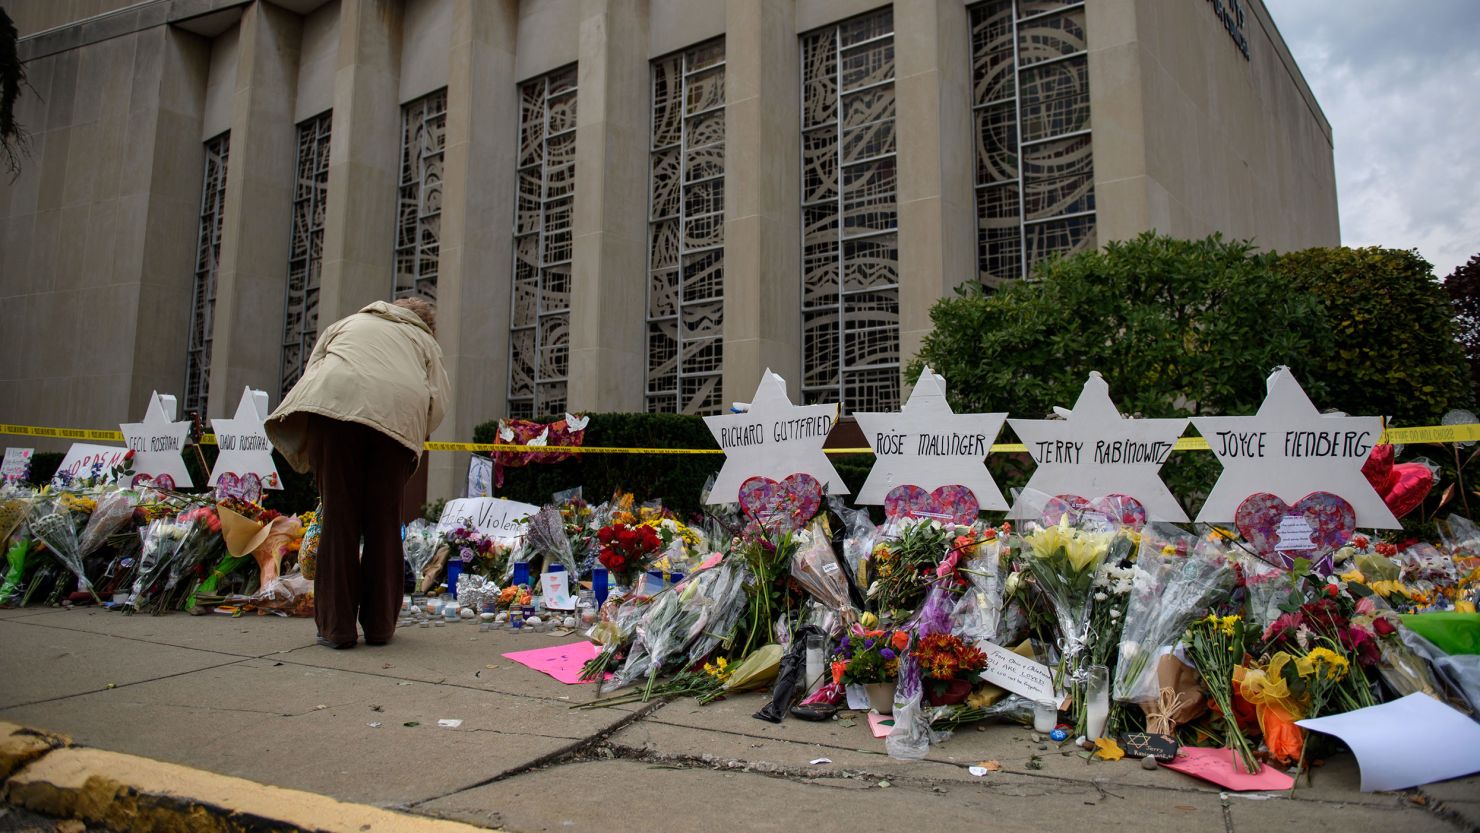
x=556 y=587
x=480 y=477
x=927 y=445
x=84 y=458
x=1290 y=449
x=1017 y=673
x=494 y=517
x=17 y=464
x=1149 y=745
x=774 y=439
x=245 y=449
x=158 y=443
x=1096 y=451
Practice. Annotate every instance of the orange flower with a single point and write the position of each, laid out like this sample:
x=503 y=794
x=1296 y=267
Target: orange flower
x=901 y=640
x=837 y=672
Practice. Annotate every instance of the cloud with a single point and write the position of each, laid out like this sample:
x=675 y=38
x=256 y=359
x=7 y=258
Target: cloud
x=1396 y=81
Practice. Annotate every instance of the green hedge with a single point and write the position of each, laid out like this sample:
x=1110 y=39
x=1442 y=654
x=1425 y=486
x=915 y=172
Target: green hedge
x=677 y=479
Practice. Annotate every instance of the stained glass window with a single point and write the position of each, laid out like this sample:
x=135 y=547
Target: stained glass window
x=207 y=267
x=685 y=314
x=306 y=252
x=419 y=218
x=1035 y=192
x=850 y=241
x=539 y=326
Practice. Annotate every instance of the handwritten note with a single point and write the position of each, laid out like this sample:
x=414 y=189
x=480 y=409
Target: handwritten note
x=1017 y=673
x=493 y=517
x=17 y=463
x=556 y=587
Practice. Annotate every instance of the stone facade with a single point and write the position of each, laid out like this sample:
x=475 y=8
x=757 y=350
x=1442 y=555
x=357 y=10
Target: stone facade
x=103 y=257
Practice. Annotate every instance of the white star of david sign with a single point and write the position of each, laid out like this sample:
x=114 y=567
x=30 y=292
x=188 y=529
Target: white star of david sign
x=244 y=446
x=1290 y=449
x=774 y=439
x=1096 y=452
x=928 y=445
x=158 y=442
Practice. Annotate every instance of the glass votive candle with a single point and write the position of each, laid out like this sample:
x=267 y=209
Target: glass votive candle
x=1045 y=715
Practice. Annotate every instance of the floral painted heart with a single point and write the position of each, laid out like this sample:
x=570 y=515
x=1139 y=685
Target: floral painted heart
x=1116 y=510
x=163 y=481
x=781 y=507
x=957 y=504
x=247 y=487
x=1313 y=528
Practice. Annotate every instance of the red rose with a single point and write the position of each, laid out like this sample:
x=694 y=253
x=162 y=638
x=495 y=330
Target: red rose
x=1384 y=627
x=604 y=535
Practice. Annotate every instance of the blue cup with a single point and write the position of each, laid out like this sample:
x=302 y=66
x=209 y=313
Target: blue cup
x=454 y=571
x=521 y=573
x=600 y=585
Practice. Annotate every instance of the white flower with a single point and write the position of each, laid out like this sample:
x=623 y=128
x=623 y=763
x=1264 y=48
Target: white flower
x=1114 y=614
x=1100 y=597
x=1129 y=648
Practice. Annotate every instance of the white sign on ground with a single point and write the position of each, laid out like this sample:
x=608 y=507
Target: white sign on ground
x=491 y=516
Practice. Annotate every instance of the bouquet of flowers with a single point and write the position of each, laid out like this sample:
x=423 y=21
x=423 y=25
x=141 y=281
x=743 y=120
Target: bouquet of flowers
x=114 y=510
x=15 y=505
x=1166 y=592
x=1215 y=644
x=54 y=523
x=868 y=657
x=978 y=613
x=816 y=569
x=308 y=548
x=479 y=554
x=1063 y=561
x=546 y=537
x=947 y=663
x=161 y=541
x=902 y=569
x=200 y=546
x=626 y=550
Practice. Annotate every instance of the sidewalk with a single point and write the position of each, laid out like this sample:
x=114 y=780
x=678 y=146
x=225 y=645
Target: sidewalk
x=254 y=698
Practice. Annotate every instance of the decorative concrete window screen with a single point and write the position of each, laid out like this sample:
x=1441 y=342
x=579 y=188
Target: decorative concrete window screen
x=207 y=267
x=850 y=241
x=686 y=224
x=539 y=326
x=419 y=212
x=306 y=255
x=1035 y=192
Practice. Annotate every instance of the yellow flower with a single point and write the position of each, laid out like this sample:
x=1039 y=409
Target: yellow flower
x=1227 y=624
x=1085 y=550
x=1390 y=588
x=1464 y=607
x=1049 y=541
x=1323 y=661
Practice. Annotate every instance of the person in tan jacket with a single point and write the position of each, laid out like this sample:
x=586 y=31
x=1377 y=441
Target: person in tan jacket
x=372 y=393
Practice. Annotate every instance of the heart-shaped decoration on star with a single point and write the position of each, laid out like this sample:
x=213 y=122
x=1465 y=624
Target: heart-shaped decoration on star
x=1314 y=528
x=781 y=507
x=247 y=487
x=163 y=481
x=1116 y=510
x=956 y=504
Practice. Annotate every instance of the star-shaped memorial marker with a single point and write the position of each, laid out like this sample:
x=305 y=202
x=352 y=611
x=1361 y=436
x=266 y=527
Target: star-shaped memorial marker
x=773 y=439
x=158 y=442
x=928 y=445
x=245 y=449
x=1097 y=452
x=1289 y=449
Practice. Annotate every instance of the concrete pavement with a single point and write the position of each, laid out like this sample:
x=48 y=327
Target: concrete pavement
x=254 y=698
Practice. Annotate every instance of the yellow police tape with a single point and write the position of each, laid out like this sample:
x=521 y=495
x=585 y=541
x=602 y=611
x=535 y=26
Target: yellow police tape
x=1422 y=434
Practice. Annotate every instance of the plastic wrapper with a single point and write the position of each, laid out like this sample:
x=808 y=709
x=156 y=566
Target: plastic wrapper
x=788 y=676
x=290 y=594
x=1460 y=673
x=977 y=615
x=308 y=551
x=912 y=735
x=1014 y=708
x=15 y=506
x=475 y=591
x=1179 y=588
x=1268 y=587
x=546 y=538
x=55 y=526
x=678 y=618
x=420 y=544
x=115 y=510
x=859 y=534
x=724 y=602
x=815 y=567
x=1063 y=559
x=1425 y=568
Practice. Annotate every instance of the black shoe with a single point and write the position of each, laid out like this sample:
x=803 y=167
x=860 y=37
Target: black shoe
x=338 y=646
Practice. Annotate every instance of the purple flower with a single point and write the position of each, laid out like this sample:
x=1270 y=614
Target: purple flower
x=868 y=645
x=888 y=653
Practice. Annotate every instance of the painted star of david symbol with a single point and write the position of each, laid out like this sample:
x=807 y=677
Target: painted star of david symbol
x=1289 y=449
x=157 y=443
x=773 y=439
x=245 y=449
x=928 y=445
x=1097 y=452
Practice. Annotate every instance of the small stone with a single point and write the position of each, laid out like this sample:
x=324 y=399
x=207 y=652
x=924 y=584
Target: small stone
x=466 y=613
x=532 y=620
x=1042 y=747
x=487 y=617
x=1148 y=762
x=1037 y=738
x=570 y=621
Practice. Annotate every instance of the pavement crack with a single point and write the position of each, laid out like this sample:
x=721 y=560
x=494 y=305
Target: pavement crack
x=116 y=686
x=112 y=635
x=1436 y=807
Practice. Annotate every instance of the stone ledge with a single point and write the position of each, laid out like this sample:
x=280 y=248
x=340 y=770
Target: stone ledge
x=128 y=793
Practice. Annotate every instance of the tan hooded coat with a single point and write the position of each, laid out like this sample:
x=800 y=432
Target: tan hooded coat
x=380 y=367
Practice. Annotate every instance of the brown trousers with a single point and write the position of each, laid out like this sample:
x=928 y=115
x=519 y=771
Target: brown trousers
x=362 y=475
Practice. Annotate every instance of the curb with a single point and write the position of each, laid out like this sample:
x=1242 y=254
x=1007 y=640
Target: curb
x=45 y=773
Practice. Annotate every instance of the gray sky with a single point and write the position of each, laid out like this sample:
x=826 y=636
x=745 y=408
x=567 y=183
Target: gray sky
x=1399 y=81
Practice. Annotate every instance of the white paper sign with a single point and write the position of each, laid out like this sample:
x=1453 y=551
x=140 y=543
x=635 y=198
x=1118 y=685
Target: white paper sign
x=556 y=587
x=928 y=445
x=491 y=516
x=1097 y=452
x=84 y=458
x=775 y=439
x=243 y=441
x=17 y=461
x=1406 y=742
x=480 y=476
x=1295 y=534
x=158 y=443
x=857 y=696
x=1017 y=673
x=1290 y=449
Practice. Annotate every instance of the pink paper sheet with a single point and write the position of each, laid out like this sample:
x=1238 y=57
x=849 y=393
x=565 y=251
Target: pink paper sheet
x=880 y=724
x=563 y=662
x=1217 y=765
